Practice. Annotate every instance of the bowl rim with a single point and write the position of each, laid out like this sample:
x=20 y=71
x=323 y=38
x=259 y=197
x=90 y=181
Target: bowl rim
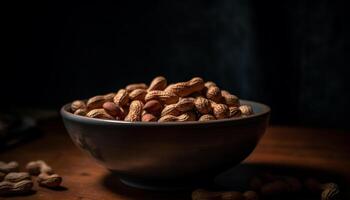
x=66 y=114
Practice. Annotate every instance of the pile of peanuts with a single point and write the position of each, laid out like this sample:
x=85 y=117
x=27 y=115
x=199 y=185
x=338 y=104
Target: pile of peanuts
x=13 y=182
x=269 y=186
x=193 y=100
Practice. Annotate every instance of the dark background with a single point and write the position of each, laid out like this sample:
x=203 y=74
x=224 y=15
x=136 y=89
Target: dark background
x=289 y=55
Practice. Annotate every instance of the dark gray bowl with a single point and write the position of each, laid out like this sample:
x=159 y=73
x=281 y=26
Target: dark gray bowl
x=171 y=154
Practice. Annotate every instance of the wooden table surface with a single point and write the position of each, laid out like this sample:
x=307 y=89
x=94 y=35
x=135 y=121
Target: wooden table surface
x=315 y=149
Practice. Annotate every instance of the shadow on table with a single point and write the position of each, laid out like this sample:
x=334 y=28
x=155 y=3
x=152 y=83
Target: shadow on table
x=111 y=182
x=236 y=178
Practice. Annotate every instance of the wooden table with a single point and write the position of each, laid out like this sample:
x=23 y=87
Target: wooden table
x=326 y=150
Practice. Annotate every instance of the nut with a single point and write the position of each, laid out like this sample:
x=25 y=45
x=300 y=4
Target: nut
x=189 y=116
x=170 y=110
x=330 y=191
x=214 y=94
x=153 y=106
x=20 y=187
x=112 y=109
x=230 y=99
x=209 y=84
x=158 y=83
x=78 y=104
x=8 y=167
x=163 y=96
x=135 y=111
x=95 y=102
x=183 y=89
x=203 y=105
x=206 y=117
x=234 y=112
x=246 y=110
x=185 y=104
x=46 y=176
x=121 y=98
x=49 y=180
x=135 y=86
x=15 y=177
x=149 y=118
x=109 y=97
x=99 y=114
x=81 y=112
x=37 y=167
x=220 y=111
x=138 y=94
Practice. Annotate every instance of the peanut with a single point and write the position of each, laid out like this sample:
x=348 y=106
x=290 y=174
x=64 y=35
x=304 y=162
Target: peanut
x=153 y=107
x=234 y=112
x=158 y=83
x=163 y=96
x=329 y=191
x=209 y=84
x=20 y=187
x=246 y=110
x=206 y=117
x=189 y=116
x=149 y=118
x=112 y=109
x=214 y=94
x=109 y=97
x=46 y=176
x=181 y=118
x=16 y=183
x=203 y=105
x=138 y=94
x=37 y=167
x=99 y=114
x=78 y=104
x=15 y=177
x=170 y=110
x=6 y=168
x=132 y=87
x=49 y=180
x=183 y=89
x=135 y=111
x=168 y=118
x=121 y=98
x=185 y=104
x=81 y=112
x=182 y=106
x=220 y=111
x=230 y=99
x=95 y=102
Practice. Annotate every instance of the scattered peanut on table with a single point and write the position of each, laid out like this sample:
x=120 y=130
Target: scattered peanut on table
x=13 y=182
x=46 y=177
x=193 y=100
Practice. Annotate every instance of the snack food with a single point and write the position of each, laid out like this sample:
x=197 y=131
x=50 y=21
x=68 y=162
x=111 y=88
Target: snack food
x=192 y=100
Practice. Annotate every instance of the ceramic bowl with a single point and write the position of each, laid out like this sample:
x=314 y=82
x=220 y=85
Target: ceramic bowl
x=167 y=155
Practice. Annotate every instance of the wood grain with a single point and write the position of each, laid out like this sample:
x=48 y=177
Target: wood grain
x=326 y=150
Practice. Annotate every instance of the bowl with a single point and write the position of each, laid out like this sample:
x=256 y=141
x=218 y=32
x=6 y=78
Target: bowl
x=167 y=155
